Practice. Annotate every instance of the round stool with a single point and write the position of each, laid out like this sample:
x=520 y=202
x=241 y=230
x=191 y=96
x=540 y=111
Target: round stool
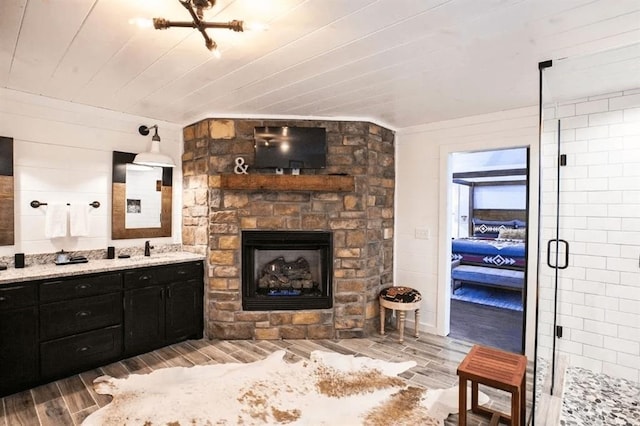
x=401 y=299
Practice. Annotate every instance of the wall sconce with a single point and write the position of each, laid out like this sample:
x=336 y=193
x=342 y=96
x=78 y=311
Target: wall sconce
x=153 y=157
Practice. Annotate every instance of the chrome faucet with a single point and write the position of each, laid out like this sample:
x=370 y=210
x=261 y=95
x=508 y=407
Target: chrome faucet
x=147 y=248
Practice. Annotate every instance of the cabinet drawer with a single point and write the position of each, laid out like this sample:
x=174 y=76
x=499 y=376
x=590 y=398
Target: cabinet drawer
x=80 y=352
x=83 y=286
x=184 y=271
x=162 y=274
x=17 y=296
x=64 y=318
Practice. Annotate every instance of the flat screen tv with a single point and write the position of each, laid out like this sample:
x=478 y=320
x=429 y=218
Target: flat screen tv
x=290 y=147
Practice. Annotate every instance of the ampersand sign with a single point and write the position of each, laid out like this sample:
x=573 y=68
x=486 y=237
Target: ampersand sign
x=240 y=168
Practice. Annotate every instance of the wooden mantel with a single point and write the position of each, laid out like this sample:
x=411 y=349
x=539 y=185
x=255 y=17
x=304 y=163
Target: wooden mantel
x=330 y=183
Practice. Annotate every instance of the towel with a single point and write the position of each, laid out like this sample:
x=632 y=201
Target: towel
x=79 y=220
x=55 y=223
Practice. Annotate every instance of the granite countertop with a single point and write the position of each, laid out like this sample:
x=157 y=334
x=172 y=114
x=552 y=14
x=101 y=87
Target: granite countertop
x=44 y=271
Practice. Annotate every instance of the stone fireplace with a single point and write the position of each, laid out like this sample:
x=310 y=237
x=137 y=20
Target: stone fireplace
x=286 y=270
x=351 y=200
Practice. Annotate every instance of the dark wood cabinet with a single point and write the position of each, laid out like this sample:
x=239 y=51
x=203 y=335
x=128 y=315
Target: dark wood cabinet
x=18 y=337
x=80 y=323
x=144 y=313
x=163 y=305
x=54 y=328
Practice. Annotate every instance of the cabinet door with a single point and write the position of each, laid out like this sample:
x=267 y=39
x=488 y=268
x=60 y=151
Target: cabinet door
x=143 y=319
x=18 y=349
x=184 y=310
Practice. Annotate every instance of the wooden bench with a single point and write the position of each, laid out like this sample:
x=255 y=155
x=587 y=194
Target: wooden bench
x=497 y=369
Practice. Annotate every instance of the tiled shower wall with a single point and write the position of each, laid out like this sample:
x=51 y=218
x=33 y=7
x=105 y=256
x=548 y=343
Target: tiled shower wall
x=599 y=293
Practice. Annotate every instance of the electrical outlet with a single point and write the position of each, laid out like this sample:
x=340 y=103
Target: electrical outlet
x=423 y=233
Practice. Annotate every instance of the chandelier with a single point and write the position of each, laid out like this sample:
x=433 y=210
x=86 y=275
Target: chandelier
x=196 y=8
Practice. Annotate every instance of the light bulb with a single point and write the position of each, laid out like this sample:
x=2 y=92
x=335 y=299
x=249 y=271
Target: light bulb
x=254 y=26
x=141 y=22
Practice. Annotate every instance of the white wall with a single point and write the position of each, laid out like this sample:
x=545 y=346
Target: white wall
x=599 y=293
x=63 y=154
x=423 y=180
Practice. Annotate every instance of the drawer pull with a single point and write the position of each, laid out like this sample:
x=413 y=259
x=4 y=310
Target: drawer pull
x=3 y=298
x=83 y=314
x=83 y=286
x=182 y=272
x=144 y=278
x=83 y=349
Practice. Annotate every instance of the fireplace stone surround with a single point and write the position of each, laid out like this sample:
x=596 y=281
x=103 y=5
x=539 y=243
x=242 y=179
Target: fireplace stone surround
x=359 y=219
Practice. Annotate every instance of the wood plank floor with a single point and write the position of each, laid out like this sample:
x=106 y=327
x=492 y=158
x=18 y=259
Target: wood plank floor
x=486 y=325
x=70 y=400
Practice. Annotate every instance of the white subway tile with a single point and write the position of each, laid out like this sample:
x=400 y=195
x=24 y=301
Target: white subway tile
x=616 y=370
x=622 y=318
x=602 y=301
x=606 y=144
x=622 y=345
x=624 y=183
x=605 y=96
x=572 y=322
x=600 y=353
x=604 y=250
x=587 y=338
x=594 y=365
x=592 y=184
x=590 y=235
x=606 y=223
x=627 y=305
x=589 y=287
x=589 y=312
x=569 y=346
x=603 y=276
x=564 y=111
x=623 y=102
x=622 y=264
x=624 y=156
x=630 y=224
x=601 y=327
x=631 y=115
x=616 y=237
x=624 y=129
x=597 y=170
x=596 y=262
x=631 y=291
x=586 y=133
x=574 y=122
x=589 y=107
x=602 y=118
x=628 y=360
x=629 y=278
x=629 y=333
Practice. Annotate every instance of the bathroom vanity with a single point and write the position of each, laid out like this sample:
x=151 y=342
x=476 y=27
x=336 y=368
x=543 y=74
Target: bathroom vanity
x=56 y=321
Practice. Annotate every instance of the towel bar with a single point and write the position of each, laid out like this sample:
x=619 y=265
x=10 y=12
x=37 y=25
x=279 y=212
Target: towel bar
x=35 y=204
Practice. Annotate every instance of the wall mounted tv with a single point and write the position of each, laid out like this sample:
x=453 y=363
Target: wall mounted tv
x=290 y=147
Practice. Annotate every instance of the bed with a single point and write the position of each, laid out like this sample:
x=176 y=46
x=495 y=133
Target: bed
x=494 y=256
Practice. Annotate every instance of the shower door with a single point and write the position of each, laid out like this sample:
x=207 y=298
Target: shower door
x=588 y=323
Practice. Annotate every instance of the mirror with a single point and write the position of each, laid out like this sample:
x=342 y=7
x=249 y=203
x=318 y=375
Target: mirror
x=7 y=234
x=141 y=199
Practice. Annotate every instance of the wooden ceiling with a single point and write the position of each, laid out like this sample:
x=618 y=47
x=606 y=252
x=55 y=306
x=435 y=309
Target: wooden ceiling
x=395 y=62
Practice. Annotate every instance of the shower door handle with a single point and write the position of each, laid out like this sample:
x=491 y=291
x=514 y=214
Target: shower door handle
x=566 y=253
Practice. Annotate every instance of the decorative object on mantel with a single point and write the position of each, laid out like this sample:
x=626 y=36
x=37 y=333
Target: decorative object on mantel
x=153 y=157
x=240 y=167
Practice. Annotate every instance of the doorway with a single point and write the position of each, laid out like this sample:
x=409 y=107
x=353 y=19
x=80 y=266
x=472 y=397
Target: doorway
x=489 y=215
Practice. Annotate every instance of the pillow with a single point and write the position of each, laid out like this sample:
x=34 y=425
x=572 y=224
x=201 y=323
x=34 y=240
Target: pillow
x=513 y=234
x=491 y=228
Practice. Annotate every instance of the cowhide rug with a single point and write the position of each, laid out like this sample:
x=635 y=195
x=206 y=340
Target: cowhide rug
x=329 y=389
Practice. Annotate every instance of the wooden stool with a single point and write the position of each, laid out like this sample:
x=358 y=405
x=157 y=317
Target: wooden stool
x=500 y=370
x=401 y=299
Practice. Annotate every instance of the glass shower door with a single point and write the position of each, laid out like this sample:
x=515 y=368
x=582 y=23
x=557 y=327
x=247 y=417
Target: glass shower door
x=588 y=325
